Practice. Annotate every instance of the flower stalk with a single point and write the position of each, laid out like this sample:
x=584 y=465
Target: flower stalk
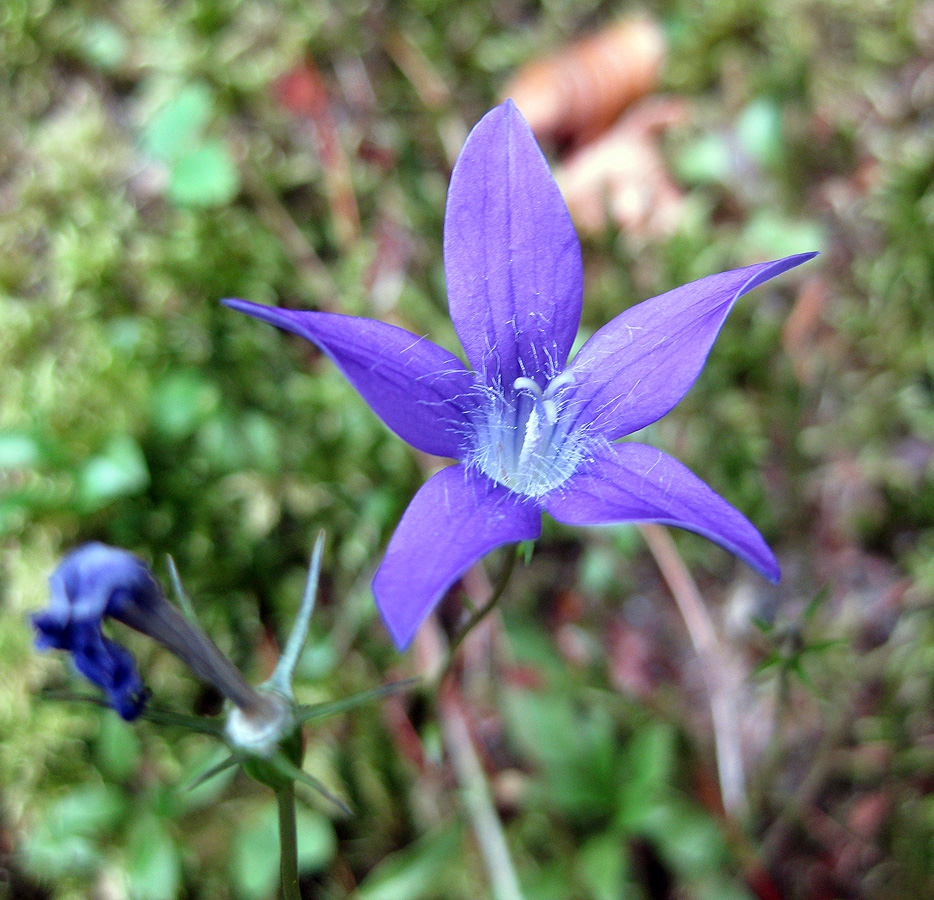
x=478 y=615
x=288 y=842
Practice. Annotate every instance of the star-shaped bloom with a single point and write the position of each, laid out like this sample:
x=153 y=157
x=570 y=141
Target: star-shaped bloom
x=92 y=583
x=530 y=431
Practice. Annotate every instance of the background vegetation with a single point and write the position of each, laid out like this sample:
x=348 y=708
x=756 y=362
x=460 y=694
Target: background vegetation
x=157 y=157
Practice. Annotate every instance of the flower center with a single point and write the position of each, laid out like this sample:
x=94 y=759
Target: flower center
x=524 y=441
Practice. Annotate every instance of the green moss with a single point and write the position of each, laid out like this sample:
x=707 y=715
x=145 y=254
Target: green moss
x=137 y=410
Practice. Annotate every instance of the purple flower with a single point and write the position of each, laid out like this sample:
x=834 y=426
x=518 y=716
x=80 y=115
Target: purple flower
x=530 y=432
x=91 y=583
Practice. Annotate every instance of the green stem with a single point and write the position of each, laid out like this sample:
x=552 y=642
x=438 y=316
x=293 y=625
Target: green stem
x=288 y=843
x=478 y=615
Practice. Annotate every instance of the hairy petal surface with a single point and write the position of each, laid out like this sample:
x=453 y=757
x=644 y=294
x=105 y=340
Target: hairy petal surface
x=422 y=392
x=456 y=517
x=632 y=482
x=511 y=256
x=640 y=364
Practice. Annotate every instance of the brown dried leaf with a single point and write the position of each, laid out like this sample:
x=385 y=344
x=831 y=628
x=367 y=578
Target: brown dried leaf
x=576 y=94
x=810 y=342
x=621 y=179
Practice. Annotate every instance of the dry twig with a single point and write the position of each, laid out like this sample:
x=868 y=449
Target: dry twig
x=720 y=676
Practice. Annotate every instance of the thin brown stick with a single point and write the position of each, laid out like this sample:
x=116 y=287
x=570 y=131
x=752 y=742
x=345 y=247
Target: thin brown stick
x=719 y=676
x=471 y=779
x=478 y=800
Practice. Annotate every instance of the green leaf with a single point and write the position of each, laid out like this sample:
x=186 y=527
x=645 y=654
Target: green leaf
x=181 y=402
x=317 y=842
x=154 y=867
x=120 y=471
x=772 y=235
x=716 y=888
x=688 y=839
x=222 y=766
x=103 y=45
x=651 y=757
x=204 y=176
x=415 y=872
x=334 y=707
x=824 y=646
x=175 y=129
x=795 y=665
x=290 y=771
x=198 y=724
x=93 y=809
x=118 y=748
x=18 y=450
x=706 y=159
x=52 y=855
x=196 y=788
x=759 y=130
x=771 y=661
x=67 y=837
x=815 y=603
x=648 y=770
x=574 y=745
x=602 y=865
x=599 y=570
x=763 y=625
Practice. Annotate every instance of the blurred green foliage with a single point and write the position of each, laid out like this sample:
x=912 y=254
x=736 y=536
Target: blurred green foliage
x=149 y=167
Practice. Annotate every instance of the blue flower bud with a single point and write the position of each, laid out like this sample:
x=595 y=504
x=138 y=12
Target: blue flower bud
x=91 y=583
x=96 y=582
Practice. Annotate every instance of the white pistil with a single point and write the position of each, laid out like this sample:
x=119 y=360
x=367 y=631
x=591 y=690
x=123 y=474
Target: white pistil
x=523 y=445
x=531 y=442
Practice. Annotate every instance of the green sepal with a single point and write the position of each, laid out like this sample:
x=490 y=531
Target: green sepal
x=155 y=714
x=293 y=773
x=306 y=713
x=525 y=549
x=267 y=771
x=222 y=766
x=181 y=720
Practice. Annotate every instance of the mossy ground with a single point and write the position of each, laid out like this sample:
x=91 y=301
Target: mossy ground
x=153 y=161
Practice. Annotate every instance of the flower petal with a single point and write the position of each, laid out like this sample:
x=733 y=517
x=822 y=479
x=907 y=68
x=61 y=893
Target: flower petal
x=100 y=660
x=456 y=517
x=422 y=392
x=511 y=256
x=639 y=365
x=112 y=668
x=631 y=482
